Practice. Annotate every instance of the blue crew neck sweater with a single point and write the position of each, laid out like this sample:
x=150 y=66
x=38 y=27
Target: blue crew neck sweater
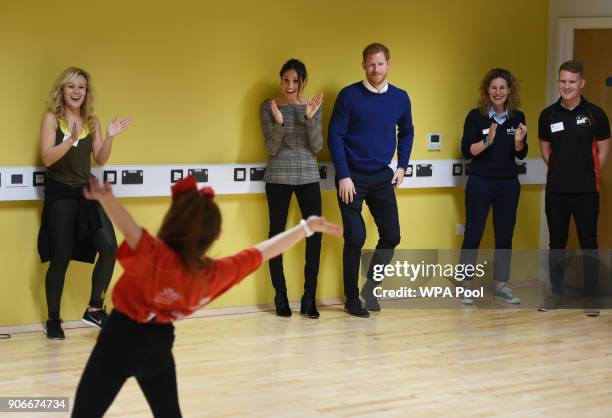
x=366 y=127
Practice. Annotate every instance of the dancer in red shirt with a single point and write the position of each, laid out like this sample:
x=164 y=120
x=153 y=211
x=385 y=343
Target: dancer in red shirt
x=165 y=279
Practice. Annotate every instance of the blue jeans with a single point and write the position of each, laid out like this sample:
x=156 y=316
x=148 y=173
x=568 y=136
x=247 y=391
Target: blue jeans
x=377 y=191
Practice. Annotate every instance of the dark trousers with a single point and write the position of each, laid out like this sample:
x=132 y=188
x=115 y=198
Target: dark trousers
x=126 y=348
x=61 y=229
x=377 y=191
x=584 y=207
x=309 y=201
x=482 y=194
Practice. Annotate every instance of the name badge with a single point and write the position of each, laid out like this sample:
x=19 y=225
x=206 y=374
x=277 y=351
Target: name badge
x=485 y=131
x=556 y=127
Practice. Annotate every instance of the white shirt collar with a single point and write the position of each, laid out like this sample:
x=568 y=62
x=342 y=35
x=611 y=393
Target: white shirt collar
x=371 y=88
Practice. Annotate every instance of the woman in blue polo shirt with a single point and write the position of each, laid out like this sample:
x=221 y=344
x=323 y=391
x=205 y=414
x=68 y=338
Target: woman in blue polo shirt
x=494 y=134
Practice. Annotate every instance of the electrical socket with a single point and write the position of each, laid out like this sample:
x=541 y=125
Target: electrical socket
x=460 y=229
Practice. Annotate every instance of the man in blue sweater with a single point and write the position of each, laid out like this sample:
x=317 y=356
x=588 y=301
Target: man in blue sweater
x=370 y=119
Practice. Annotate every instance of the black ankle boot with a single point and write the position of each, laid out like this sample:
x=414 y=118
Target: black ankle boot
x=282 y=305
x=309 y=307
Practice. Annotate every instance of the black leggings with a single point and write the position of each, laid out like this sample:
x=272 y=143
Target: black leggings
x=309 y=200
x=61 y=229
x=124 y=349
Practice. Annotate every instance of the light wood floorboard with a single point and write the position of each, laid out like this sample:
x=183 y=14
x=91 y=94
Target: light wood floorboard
x=399 y=363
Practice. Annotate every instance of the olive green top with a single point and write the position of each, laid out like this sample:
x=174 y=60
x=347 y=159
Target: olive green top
x=74 y=168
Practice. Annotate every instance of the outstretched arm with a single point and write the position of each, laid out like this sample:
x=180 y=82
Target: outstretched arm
x=285 y=240
x=115 y=211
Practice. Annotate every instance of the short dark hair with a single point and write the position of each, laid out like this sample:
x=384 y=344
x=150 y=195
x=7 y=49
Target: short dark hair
x=572 y=66
x=300 y=69
x=375 y=48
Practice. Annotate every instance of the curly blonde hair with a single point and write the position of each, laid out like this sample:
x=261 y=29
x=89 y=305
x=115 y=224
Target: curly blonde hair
x=514 y=99
x=56 y=103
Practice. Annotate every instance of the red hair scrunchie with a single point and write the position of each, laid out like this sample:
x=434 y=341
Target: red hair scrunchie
x=189 y=183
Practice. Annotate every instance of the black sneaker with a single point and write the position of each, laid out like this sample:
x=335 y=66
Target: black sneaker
x=282 y=305
x=53 y=329
x=95 y=318
x=354 y=307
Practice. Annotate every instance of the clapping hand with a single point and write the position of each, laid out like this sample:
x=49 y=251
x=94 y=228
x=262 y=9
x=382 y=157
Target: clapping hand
x=313 y=105
x=278 y=116
x=74 y=133
x=116 y=126
x=491 y=135
x=520 y=133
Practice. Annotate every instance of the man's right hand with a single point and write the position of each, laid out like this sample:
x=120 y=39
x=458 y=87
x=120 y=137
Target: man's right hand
x=346 y=190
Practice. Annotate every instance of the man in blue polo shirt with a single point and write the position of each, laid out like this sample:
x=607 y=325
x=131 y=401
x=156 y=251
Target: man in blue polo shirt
x=574 y=140
x=371 y=118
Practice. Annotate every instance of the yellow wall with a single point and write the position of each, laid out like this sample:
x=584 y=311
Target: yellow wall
x=192 y=74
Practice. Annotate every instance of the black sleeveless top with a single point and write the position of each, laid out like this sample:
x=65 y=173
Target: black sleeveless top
x=74 y=168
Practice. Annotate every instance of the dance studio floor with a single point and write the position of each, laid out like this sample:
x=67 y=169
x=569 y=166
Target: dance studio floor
x=399 y=363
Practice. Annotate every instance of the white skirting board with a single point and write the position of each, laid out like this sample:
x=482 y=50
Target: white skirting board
x=234 y=310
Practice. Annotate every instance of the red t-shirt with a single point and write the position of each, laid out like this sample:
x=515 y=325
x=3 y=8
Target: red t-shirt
x=156 y=286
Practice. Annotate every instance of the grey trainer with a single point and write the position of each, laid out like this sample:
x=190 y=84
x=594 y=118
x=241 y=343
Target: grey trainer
x=505 y=294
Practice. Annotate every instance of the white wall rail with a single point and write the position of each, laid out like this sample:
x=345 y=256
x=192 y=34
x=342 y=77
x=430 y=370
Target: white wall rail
x=140 y=180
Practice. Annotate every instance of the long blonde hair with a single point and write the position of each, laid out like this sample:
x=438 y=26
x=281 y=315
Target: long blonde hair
x=56 y=103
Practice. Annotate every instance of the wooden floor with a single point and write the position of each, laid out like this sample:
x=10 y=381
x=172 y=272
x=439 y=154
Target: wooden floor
x=399 y=363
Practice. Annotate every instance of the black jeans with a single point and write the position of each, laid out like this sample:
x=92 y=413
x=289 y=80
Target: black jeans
x=482 y=194
x=584 y=207
x=62 y=227
x=309 y=201
x=378 y=192
x=126 y=348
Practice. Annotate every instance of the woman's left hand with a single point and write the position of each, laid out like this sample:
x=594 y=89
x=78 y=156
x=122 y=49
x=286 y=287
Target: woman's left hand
x=520 y=133
x=116 y=126
x=313 y=105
